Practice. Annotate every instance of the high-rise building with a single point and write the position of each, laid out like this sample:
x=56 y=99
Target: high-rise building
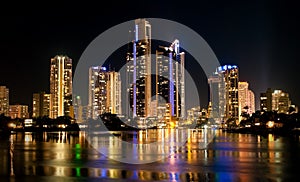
x=40 y=104
x=81 y=112
x=170 y=78
x=217 y=97
x=251 y=101
x=4 y=100
x=224 y=92
x=61 y=86
x=280 y=101
x=101 y=92
x=246 y=99
x=104 y=91
x=18 y=111
x=78 y=110
x=266 y=100
x=97 y=90
x=139 y=71
x=113 y=91
x=231 y=76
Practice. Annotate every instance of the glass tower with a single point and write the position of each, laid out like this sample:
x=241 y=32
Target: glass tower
x=170 y=78
x=139 y=71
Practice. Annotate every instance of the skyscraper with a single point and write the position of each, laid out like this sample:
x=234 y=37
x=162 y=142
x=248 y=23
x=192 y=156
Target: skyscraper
x=139 y=70
x=96 y=73
x=80 y=114
x=41 y=104
x=104 y=91
x=224 y=92
x=113 y=93
x=4 y=100
x=246 y=99
x=61 y=86
x=217 y=96
x=231 y=76
x=170 y=78
x=251 y=98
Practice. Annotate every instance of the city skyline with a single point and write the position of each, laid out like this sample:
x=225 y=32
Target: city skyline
x=149 y=90
x=59 y=60
x=269 y=46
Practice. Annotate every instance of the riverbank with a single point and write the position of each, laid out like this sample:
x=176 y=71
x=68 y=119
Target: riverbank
x=264 y=131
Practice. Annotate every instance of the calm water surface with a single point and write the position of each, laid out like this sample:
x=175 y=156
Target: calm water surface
x=65 y=156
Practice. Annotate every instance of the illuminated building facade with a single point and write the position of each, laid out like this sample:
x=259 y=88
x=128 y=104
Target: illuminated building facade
x=224 y=92
x=97 y=85
x=101 y=91
x=217 y=97
x=4 y=100
x=113 y=93
x=170 y=78
x=40 y=104
x=139 y=71
x=246 y=99
x=104 y=91
x=193 y=114
x=231 y=76
x=280 y=101
x=81 y=113
x=18 y=111
x=251 y=101
x=61 y=86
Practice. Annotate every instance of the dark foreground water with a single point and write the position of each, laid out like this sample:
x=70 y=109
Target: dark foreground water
x=63 y=156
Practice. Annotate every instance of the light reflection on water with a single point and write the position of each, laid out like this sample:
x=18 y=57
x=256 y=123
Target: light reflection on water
x=229 y=157
x=147 y=145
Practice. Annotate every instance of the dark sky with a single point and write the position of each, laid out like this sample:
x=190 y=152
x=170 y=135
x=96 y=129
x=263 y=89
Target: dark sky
x=259 y=36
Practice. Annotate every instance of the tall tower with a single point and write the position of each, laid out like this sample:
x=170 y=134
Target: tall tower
x=170 y=78
x=246 y=98
x=217 y=96
x=251 y=98
x=113 y=90
x=4 y=100
x=61 y=86
x=231 y=76
x=104 y=91
x=97 y=83
x=226 y=79
x=139 y=70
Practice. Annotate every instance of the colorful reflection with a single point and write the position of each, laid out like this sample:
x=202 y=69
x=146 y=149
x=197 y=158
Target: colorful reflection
x=227 y=157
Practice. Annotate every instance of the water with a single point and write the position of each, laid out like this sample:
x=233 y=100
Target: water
x=65 y=156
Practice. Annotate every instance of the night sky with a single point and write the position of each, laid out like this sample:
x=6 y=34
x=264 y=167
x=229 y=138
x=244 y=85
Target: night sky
x=259 y=36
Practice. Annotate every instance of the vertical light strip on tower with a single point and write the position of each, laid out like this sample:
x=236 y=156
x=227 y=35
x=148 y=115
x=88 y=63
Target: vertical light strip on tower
x=134 y=80
x=177 y=88
x=61 y=86
x=182 y=94
x=171 y=85
x=134 y=71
